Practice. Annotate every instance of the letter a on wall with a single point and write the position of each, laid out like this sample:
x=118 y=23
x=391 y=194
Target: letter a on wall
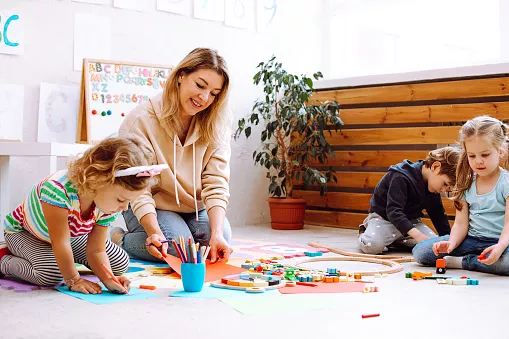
x=12 y=39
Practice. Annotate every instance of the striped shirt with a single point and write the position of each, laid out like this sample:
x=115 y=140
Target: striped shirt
x=58 y=191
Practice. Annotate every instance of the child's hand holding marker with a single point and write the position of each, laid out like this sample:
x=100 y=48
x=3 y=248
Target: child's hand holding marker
x=157 y=245
x=119 y=284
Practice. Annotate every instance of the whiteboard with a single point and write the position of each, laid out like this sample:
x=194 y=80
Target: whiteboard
x=111 y=90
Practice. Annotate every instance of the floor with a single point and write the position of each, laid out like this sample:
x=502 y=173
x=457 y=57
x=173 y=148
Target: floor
x=408 y=309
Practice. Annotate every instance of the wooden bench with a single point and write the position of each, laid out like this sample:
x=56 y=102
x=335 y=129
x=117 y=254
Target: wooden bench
x=386 y=123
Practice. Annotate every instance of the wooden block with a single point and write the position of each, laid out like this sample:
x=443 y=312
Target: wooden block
x=260 y=283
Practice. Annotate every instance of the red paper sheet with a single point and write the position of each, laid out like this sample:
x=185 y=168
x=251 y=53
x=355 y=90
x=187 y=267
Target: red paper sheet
x=214 y=271
x=340 y=287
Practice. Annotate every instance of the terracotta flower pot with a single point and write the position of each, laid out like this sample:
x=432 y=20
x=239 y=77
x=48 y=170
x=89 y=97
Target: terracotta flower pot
x=287 y=213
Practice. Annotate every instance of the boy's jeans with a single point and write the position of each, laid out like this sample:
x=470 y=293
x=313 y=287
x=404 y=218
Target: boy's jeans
x=469 y=249
x=172 y=225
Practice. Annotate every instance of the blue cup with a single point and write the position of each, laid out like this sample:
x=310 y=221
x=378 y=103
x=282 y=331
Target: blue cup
x=193 y=276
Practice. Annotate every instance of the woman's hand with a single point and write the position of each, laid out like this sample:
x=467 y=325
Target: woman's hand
x=86 y=287
x=219 y=248
x=155 y=246
x=123 y=288
x=443 y=247
x=495 y=251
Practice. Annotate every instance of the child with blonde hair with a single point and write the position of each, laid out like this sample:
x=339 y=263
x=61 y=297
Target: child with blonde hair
x=65 y=218
x=480 y=235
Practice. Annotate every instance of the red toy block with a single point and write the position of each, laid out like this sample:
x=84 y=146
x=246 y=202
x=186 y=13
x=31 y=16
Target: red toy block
x=440 y=263
x=481 y=257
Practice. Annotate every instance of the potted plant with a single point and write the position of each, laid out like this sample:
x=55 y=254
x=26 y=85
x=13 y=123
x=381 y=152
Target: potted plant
x=292 y=138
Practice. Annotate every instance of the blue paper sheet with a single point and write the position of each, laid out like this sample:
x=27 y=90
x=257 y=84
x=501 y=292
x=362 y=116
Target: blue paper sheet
x=149 y=263
x=209 y=292
x=107 y=297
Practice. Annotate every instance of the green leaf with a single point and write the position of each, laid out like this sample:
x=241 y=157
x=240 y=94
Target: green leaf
x=295 y=163
x=248 y=131
x=272 y=187
x=277 y=193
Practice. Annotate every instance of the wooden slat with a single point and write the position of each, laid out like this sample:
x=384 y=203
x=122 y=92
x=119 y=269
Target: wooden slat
x=344 y=200
x=395 y=136
x=345 y=219
x=350 y=201
x=424 y=114
x=371 y=158
x=474 y=88
x=353 y=179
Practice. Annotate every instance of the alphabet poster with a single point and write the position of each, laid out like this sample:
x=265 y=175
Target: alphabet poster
x=110 y=90
x=12 y=36
x=58 y=113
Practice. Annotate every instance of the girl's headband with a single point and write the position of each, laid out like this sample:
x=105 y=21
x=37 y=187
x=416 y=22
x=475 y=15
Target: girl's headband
x=142 y=171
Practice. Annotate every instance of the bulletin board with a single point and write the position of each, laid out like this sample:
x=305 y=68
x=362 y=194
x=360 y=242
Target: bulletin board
x=110 y=90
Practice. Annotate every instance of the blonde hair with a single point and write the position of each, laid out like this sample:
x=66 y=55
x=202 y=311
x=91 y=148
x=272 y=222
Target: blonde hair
x=495 y=132
x=212 y=119
x=448 y=158
x=97 y=167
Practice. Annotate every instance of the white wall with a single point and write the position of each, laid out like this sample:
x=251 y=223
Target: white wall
x=163 y=38
x=372 y=37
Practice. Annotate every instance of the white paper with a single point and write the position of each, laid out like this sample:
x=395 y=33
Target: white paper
x=266 y=11
x=95 y=2
x=239 y=13
x=58 y=112
x=12 y=34
x=209 y=10
x=11 y=112
x=134 y=5
x=182 y=7
x=92 y=38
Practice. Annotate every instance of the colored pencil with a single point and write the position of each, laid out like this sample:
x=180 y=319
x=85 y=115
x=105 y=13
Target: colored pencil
x=112 y=276
x=206 y=253
x=179 y=252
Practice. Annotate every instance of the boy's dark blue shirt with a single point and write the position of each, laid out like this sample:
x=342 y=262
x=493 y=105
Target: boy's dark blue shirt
x=401 y=196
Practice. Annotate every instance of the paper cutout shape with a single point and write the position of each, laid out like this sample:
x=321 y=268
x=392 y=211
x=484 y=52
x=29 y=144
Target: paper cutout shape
x=214 y=271
x=20 y=285
x=107 y=297
x=340 y=287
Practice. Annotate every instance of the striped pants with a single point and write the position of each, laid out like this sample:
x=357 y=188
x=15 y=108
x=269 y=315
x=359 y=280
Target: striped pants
x=33 y=260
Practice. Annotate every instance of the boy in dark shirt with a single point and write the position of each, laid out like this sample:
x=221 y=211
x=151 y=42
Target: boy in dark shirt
x=399 y=198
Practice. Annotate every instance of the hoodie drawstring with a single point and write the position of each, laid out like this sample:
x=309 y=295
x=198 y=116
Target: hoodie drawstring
x=175 y=168
x=194 y=182
x=194 y=175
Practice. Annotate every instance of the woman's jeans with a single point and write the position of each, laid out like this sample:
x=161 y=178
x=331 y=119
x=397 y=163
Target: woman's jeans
x=172 y=225
x=469 y=249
